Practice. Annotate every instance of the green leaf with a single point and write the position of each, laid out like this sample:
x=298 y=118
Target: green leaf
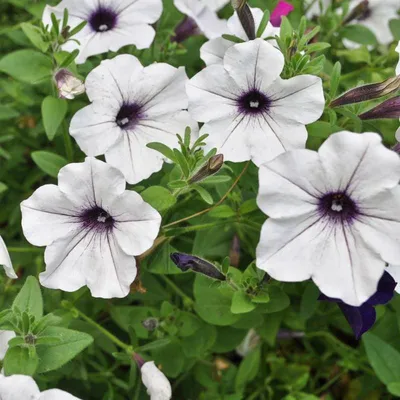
x=395 y=28
x=182 y=162
x=7 y=112
x=263 y=24
x=158 y=197
x=27 y=65
x=33 y=33
x=359 y=34
x=241 y=303
x=248 y=369
x=278 y=300
x=171 y=358
x=286 y=29
x=383 y=357
x=179 y=184
x=270 y=328
x=153 y=345
x=163 y=149
x=29 y=298
x=56 y=355
x=213 y=305
x=20 y=361
x=394 y=388
x=188 y=324
x=335 y=79
x=53 y=113
x=309 y=300
x=49 y=162
x=203 y=193
x=159 y=262
x=222 y=211
x=198 y=343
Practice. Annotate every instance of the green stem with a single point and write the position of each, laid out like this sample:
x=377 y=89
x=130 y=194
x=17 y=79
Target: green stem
x=177 y=290
x=24 y=250
x=104 y=331
x=328 y=384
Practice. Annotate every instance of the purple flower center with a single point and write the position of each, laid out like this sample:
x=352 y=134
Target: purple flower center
x=97 y=219
x=103 y=19
x=253 y=102
x=338 y=207
x=128 y=115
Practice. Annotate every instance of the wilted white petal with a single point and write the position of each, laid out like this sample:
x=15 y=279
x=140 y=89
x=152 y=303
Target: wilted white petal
x=5 y=260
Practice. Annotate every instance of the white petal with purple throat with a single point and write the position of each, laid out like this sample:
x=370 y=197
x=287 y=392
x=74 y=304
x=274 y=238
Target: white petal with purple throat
x=110 y=24
x=248 y=110
x=333 y=215
x=132 y=106
x=92 y=228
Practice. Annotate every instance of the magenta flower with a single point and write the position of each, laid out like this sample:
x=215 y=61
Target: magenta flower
x=281 y=10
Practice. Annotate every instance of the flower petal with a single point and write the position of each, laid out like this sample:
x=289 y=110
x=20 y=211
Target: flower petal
x=245 y=63
x=48 y=215
x=213 y=51
x=92 y=259
x=92 y=182
x=212 y=94
x=299 y=99
x=290 y=185
x=138 y=11
x=361 y=319
x=136 y=229
x=95 y=129
x=5 y=260
x=56 y=394
x=359 y=164
x=157 y=384
x=394 y=271
x=17 y=387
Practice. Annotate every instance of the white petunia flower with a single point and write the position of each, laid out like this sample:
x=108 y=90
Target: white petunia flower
x=157 y=384
x=376 y=17
x=68 y=84
x=111 y=24
x=248 y=110
x=213 y=51
x=131 y=107
x=394 y=271
x=333 y=215
x=5 y=260
x=92 y=228
x=204 y=14
x=5 y=337
x=21 y=387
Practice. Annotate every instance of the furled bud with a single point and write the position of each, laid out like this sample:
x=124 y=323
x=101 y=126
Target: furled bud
x=246 y=17
x=68 y=85
x=368 y=92
x=360 y=12
x=213 y=165
x=186 y=29
x=157 y=384
x=186 y=262
x=387 y=110
x=281 y=10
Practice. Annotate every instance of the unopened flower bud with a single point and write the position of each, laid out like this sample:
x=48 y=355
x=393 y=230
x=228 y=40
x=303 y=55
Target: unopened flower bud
x=368 y=92
x=68 y=84
x=186 y=29
x=186 y=262
x=359 y=12
x=65 y=32
x=150 y=324
x=249 y=343
x=387 y=110
x=213 y=165
x=246 y=17
x=157 y=384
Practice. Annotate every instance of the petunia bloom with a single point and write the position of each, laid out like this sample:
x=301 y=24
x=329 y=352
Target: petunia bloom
x=333 y=215
x=362 y=318
x=281 y=10
x=110 y=24
x=249 y=112
x=5 y=260
x=157 y=384
x=18 y=387
x=68 y=84
x=202 y=14
x=374 y=16
x=92 y=228
x=213 y=51
x=132 y=106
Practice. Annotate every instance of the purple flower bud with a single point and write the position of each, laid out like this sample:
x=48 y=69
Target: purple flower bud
x=186 y=29
x=387 y=110
x=150 y=324
x=368 y=92
x=245 y=17
x=68 y=84
x=362 y=318
x=360 y=12
x=186 y=262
